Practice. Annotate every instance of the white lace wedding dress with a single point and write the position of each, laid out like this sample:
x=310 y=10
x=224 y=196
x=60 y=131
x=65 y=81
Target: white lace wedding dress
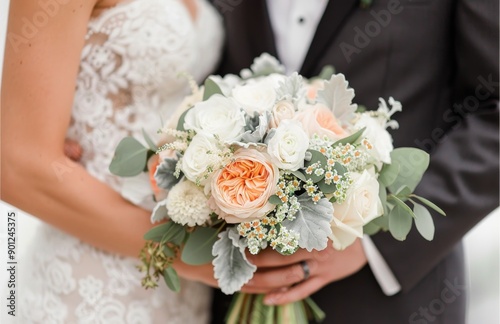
x=129 y=79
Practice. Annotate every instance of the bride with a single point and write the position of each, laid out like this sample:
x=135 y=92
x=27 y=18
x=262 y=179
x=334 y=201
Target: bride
x=95 y=72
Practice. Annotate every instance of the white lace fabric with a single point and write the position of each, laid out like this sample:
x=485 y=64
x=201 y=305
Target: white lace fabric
x=130 y=79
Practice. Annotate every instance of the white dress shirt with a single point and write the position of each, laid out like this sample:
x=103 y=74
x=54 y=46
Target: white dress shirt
x=294 y=24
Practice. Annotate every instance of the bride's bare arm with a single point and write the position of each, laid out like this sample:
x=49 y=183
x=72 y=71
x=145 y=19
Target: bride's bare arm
x=40 y=69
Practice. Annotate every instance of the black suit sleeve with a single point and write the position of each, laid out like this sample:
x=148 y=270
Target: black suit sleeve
x=463 y=176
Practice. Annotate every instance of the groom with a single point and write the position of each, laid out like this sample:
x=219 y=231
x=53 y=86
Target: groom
x=440 y=59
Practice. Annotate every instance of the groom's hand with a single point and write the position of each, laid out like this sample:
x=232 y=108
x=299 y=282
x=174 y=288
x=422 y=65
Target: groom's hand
x=281 y=278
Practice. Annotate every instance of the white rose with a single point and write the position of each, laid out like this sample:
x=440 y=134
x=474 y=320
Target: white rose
x=288 y=146
x=257 y=95
x=200 y=154
x=378 y=136
x=219 y=116
x=283 y=109
x=361 y=206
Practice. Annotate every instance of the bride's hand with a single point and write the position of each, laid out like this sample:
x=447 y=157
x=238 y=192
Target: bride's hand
x=203 y=273
x=282 y=278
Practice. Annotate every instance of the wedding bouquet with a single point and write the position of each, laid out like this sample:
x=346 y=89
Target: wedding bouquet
x=268 y=161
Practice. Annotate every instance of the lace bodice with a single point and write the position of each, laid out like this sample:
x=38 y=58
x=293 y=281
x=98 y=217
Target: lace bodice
x=133 y=73
x=130 y=78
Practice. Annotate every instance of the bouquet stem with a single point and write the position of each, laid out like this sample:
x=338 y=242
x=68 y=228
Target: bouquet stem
x=249 y=308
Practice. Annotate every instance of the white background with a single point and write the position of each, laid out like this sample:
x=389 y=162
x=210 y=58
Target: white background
x=482 y=246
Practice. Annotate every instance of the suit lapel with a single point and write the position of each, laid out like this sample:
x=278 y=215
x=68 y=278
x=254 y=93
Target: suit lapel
x=336 y=12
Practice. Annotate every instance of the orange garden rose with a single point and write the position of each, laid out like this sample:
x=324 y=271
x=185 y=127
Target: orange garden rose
x=320 y=120
x=240 y=191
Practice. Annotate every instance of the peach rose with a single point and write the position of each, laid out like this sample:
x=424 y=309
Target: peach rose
x=318 y=119
x=240 y=191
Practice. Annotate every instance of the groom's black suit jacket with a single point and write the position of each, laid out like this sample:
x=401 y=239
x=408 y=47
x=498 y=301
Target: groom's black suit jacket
x=440 y=59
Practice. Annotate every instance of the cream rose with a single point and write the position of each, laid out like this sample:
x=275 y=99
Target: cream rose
x=240 y=192
x=288 y=145
x=257 y=95
x=378 y=136
x=217 y=115
x=283 y=109
x=318 y=119
x=200 y=154
x=361 y=206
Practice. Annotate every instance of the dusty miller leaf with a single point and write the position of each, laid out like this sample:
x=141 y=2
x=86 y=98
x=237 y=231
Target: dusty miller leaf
x=231 y=267
x=312 y=222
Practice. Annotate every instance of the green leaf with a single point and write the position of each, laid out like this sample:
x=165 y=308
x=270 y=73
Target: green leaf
x=172 y=279
x=382 y=193
x=389 y=173
x=299 y=175
x=275 y=200
x=423 y=221
x=413 y=162
x=168 y=251
x=175 y=235
x=399 y=223
x=326 y=188
x=351 y=138
x=130 y=158
x=316 y=156
x=149 y=141
x=401 y=204
x=156 y=233
x=382 y=221
x=182 y=118
x=326 y=72
x=430 y=204
x=198 y=248
x=403 y=192
x=371 y=228
x=211 y=88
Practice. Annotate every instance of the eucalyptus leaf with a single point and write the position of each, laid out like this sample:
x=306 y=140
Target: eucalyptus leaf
x=399 y=223
x=198 y=248
x=326 y=72
x=299 y=175
x=430 y=204
x=424 y=222
x=382 y=222
x=172 y=279
x=413 y=162
x=326 y=188
x=403 y=192
x=401 y=204
x=156 y=233
x=389 y=173
x=149 y=141
x=130 y=158
x=312 y=223
x=231 y=267
x=383 y=197
x=182 y=118
x=371 y=228
x=211 y=88
x=275 y=200
x=168 y=251
x=351 y=138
